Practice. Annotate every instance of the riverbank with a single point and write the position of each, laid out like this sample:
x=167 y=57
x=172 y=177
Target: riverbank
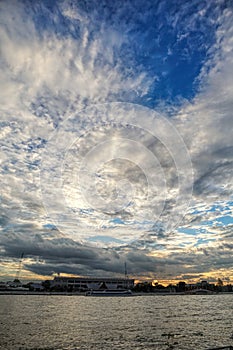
x=15 y=292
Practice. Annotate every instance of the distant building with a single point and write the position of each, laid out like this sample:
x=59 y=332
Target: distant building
x=89 y=283
x=204 y=285
x=37 y=287
x=3 y=286
x=181 y=286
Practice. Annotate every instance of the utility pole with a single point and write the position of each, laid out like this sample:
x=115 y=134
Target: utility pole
x=19 y=267
x=126 y=275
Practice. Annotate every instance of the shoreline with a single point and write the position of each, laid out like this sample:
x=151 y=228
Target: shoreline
x=12 y=292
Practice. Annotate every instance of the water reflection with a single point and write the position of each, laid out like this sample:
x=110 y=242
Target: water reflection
x=142 y=322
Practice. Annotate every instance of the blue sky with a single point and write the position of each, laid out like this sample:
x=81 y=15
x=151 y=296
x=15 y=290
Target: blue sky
x=116 y=138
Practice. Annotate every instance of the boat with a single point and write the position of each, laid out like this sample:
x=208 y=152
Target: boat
x=109 y=293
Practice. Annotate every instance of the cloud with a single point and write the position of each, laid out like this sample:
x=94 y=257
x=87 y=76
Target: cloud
x=206 y=123
x=40 y=64
x=56 y=61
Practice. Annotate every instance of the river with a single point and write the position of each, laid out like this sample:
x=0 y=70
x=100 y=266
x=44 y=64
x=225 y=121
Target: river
x=45 y=322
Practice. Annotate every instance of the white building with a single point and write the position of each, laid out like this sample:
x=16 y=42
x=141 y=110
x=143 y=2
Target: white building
x=89 y=283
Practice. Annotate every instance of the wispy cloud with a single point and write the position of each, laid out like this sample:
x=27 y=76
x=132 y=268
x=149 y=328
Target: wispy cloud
x=59 y=60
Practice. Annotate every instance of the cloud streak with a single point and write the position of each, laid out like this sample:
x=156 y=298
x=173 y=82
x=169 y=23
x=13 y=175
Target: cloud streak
x=60 y=59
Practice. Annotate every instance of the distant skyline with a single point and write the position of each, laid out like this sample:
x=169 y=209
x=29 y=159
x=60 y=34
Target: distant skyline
x=116 y=139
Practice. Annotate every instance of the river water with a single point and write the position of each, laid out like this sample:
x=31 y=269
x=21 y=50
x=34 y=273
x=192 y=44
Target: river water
x=101 y=323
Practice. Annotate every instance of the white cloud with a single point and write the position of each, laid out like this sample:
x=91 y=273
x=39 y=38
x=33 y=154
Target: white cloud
x=206 y=124
x=46 y=76
x=35 y=64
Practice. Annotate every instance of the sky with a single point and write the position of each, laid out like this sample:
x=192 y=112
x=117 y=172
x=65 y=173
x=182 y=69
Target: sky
x=116 y=139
